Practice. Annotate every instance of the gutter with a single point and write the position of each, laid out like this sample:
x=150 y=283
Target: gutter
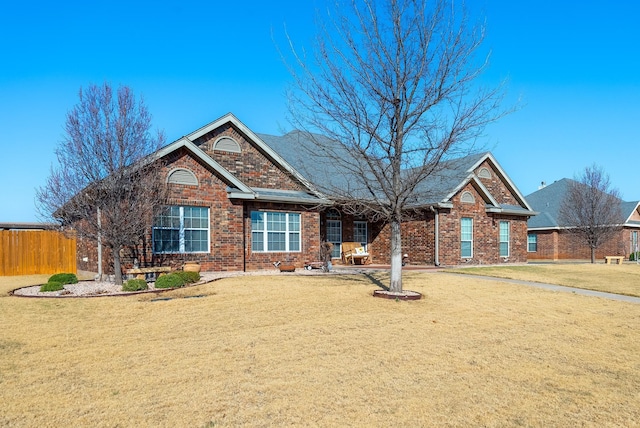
x=436 y=255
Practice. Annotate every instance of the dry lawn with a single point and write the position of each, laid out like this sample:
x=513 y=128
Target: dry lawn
x=320 y=351
x=618 y=279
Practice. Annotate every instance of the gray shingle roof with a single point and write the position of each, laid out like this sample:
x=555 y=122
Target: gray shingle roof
x=548 y=200
x=295 y=148
x=321 y=170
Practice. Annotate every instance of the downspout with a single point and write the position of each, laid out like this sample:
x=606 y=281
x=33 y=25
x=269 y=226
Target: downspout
x=437 y=236
x=244 y=236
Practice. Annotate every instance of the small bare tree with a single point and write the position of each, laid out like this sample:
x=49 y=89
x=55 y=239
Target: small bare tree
x=105 y=184
x=591 y=209
x=391 y=87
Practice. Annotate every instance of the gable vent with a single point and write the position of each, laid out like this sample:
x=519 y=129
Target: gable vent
x=467 y=198
x=227 y=144
x=182 y=176
x=484 y=173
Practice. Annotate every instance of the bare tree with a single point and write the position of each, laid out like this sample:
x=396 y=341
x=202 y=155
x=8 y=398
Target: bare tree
x=105 y=185
x=591 y=209
x=392 y=88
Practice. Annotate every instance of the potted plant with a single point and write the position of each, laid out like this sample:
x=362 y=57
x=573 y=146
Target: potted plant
x=191 y=266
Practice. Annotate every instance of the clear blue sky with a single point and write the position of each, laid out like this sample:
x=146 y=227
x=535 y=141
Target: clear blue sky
x=576 y=66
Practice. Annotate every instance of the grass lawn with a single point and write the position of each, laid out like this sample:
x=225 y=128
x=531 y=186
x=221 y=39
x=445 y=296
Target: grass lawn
x=618 y=279
x=320 y=351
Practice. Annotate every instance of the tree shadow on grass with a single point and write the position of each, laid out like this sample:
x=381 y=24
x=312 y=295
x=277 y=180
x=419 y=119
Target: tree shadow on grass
x=376 y=281
x=365 y=278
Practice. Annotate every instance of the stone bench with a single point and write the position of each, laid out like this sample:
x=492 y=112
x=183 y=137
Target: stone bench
x=617 y=259
x=141 y=273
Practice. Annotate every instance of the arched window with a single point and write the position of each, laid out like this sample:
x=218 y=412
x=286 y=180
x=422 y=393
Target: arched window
x=182 y=176
x=484 y=172
x=467 y=198
x=226 y=144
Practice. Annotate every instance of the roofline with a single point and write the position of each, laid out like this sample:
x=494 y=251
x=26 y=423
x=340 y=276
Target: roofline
x=186 y=143
x=27 y=226
x=505 y=178
x=500 y=210
x=231 y=118
x=475 y=182
x=633 y=211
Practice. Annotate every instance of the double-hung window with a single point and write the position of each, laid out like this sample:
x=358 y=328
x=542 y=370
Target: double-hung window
x=466 y=237
x=532 y=242
x=504 y=238
x=275 y=232
x=181 y=229
x=334 y=232
x=360 y=233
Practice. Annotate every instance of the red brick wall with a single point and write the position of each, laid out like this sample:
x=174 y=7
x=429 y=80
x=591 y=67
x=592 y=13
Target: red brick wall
x=230 y=222
x=559 y=245
x=250 y=166
x=496 y=186
x=418 y=235
x=310 y=237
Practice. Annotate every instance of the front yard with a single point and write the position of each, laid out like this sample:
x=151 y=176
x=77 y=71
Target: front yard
x=320 y=351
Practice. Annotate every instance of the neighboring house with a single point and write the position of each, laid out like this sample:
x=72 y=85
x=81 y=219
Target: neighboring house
x=239 y=201
x=549 y=239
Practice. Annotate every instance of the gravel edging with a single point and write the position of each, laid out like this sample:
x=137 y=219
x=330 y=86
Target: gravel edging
x=106 y=288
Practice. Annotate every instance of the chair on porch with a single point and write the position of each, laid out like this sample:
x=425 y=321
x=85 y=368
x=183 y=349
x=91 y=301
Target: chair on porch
x=354 y=253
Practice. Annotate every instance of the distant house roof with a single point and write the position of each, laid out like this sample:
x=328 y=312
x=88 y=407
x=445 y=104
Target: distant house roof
x=548 y=200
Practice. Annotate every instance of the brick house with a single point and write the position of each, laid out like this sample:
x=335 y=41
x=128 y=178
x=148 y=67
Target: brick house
x=238 y=201
x=548 y=238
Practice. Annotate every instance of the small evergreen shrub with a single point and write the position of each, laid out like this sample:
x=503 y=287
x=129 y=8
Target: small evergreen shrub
x=188 y=277
x=64 y=278
x=52 y=286
x=169 y=281
x=135 y=285
x=634 y=256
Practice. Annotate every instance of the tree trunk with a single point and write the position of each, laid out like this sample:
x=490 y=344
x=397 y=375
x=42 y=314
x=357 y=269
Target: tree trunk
x=593 y=254
x=117 y=270
x=396 y=257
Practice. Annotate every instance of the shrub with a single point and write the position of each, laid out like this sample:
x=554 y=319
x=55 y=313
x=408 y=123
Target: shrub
x=135 y=285
x=52 y=286
x=169 y=281
x=188 y=277
x=64 y=278
x=634 y=256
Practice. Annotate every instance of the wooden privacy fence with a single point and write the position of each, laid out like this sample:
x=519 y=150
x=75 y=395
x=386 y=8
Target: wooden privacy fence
x=28 y=252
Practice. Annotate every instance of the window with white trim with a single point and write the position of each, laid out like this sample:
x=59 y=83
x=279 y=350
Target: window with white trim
x=181 y=229
x=532 y=242
x=504 y=238
x=360 y=233
x=275 y=232
x=466 y=237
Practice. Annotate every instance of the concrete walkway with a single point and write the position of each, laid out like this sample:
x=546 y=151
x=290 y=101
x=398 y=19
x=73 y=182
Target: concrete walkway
x=553 y=287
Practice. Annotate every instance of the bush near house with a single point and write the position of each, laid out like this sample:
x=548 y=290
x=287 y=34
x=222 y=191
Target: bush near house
x=188 y=277
x=52 y=286
x=135 y=285
x=64 y=278
x=171 y=280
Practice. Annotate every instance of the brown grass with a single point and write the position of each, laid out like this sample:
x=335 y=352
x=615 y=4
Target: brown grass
x=320 y=351
x=618 y=279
